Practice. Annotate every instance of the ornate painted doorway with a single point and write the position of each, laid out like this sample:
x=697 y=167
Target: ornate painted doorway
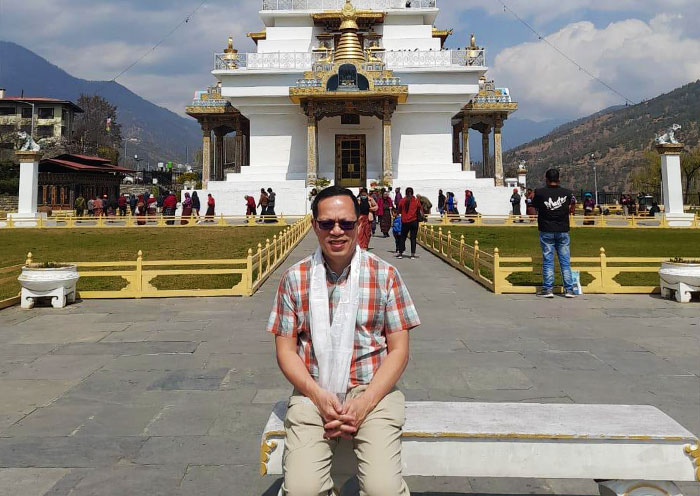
x=350 y=160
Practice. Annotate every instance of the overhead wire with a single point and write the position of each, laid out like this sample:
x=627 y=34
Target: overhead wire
x=541 y=37
x=154 y=47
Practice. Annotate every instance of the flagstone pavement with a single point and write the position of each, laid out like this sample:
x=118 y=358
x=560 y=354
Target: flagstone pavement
x=169 y=396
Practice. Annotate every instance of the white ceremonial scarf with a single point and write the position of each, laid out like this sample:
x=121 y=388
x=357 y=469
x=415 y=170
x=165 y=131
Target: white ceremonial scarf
x=333 y=343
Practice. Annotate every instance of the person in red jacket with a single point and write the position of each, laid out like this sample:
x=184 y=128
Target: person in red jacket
x=121 y=202
x=411 y=213
x=169 y=206
x=250 y=205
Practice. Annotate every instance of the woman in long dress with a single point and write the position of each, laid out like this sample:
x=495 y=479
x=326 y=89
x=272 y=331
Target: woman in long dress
x=195 y=204
x=385 y=221
x=367 y=208
x=209 y=217
x=186 y=217
x=140 y=211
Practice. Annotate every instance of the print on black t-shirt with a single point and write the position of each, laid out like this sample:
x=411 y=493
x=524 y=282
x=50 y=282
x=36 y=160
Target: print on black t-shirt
x=552 y=206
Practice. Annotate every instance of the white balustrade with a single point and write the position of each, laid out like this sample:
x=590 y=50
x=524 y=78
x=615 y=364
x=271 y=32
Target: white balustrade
x=303 y=61
x=338 y=4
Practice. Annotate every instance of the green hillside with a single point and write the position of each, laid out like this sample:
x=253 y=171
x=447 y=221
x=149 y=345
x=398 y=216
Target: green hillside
x=618 y=136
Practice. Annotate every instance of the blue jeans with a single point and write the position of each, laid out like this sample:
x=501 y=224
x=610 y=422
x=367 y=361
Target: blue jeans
x=551 y=241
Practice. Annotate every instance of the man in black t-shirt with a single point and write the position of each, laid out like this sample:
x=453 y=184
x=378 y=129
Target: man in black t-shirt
x=552 y=204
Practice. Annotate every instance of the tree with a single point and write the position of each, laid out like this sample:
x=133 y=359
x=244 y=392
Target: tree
x=96 y=130
x=690 y=168
x=648 y=177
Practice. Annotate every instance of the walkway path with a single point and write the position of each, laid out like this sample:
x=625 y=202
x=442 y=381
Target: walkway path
x=168 y=397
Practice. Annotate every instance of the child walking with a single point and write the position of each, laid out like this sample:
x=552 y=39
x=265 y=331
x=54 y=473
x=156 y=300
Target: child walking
x=396 y=227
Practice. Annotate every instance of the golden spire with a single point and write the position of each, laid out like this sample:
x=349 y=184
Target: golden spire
x=349 y=47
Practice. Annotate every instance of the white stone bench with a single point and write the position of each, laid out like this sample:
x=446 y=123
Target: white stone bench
x=632 y=450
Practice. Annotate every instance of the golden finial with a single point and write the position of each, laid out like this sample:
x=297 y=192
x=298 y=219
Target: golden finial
x=229 y=48
x=29 y=259
x=472 y=42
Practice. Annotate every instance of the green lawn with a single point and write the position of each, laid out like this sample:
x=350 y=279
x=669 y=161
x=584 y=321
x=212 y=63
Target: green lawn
x=524 y=242
x=114 y=244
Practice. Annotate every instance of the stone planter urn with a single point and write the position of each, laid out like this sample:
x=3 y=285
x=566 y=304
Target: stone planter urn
x=681 y=278
x=55 y=281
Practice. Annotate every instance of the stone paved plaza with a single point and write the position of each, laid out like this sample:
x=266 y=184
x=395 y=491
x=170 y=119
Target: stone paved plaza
x=169 y=396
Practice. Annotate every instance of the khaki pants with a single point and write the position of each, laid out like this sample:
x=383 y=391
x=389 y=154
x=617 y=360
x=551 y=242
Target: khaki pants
x=308 y=456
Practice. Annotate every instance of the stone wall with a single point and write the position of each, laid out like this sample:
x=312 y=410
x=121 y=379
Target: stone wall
x=8 y=203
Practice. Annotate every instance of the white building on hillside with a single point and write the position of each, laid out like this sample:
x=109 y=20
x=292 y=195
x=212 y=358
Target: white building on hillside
x=354 y=93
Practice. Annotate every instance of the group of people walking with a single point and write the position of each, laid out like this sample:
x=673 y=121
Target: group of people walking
x=448 y=204
x=147 y=205
x=401 y=215
x=266 y=203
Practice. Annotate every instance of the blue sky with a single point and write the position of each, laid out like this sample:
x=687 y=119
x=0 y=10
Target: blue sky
x=634 y=45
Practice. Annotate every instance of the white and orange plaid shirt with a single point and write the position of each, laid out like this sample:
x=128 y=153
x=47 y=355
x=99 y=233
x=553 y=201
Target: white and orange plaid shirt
x=385 y=307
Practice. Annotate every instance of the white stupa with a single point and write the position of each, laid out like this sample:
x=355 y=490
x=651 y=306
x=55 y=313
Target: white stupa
x=356 y=93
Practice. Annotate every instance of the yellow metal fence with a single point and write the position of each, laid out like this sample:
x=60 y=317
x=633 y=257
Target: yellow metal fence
x=8 y=277
x=494 y=271
x=576 y=221
x=63 y=221
x=138 y=277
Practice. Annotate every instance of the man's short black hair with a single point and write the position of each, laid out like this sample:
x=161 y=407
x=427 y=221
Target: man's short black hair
x=330 y=192
x=552 y=175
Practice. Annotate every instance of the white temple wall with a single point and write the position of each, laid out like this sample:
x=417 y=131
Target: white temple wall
x=328 y=128
x=278 y=140
x=421 y=138
x=287 y=39
x=401 y=19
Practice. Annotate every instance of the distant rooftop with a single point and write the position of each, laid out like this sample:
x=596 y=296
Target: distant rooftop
x=40 y=99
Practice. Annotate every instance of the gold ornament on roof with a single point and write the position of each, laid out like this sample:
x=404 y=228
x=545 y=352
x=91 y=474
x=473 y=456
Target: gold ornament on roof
x=349 y=16
x=349 y=47
x=231 y=55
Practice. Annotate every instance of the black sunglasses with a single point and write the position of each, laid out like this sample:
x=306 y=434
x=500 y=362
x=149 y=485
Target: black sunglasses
x=345 y=225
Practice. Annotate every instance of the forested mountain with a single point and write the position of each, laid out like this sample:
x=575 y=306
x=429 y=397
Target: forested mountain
x=162 y=133
x=618 y=137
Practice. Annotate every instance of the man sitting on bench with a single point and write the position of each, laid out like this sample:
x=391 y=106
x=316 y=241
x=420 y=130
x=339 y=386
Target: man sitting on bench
x=340 y=320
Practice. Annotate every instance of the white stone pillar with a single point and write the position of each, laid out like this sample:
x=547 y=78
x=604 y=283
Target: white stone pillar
x=27 y=213
x=672 y=188
x=28 y=183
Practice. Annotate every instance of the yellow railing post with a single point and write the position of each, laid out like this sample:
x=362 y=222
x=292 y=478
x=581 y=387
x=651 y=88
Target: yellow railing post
x=139 y=275
x=100 y=221
x=251 y=220
x=449 y=245
x=29 y=260
x=274 y=247
x=281 y=220
x=496 y=271
x=222 y=222
x=440 y=240
x=479 y=220
x=260 y=262
x=461 y=250
x=476 y=258
x=445 y=219
x=603 y=270
x=71 y=221
x=249 y=273
x=267 y=249
x=10 y=222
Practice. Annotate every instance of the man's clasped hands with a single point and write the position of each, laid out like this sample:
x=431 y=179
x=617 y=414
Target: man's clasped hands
x=341 y=421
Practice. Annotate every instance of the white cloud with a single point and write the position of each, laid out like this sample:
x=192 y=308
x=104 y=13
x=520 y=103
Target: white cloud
x=639 y=59
x=96 y=40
